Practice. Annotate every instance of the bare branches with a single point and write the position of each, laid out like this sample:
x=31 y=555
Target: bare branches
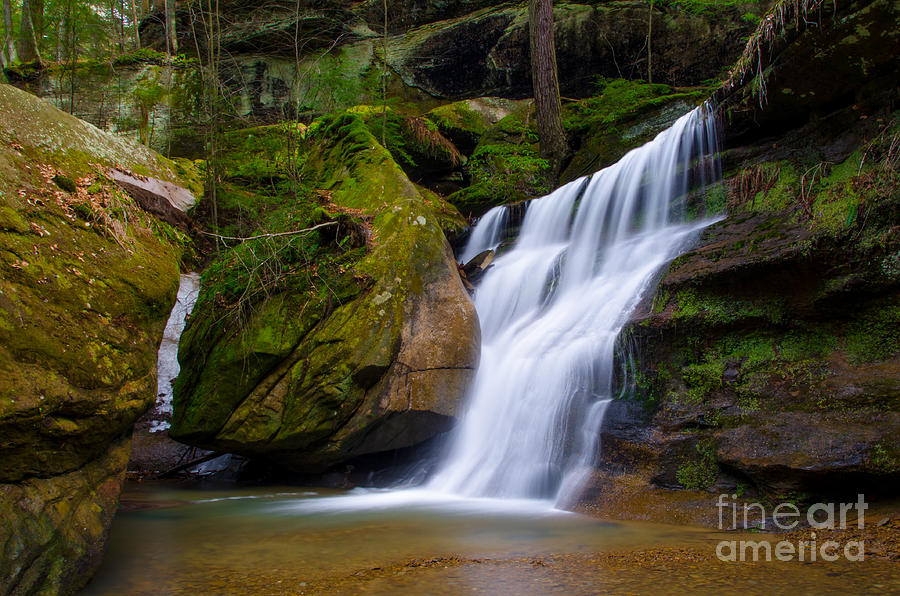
x=273 y=235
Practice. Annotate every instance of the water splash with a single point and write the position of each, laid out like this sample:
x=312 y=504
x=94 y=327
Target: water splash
x=552 y=307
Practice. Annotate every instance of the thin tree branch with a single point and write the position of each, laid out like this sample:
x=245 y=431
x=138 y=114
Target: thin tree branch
x=275 y=235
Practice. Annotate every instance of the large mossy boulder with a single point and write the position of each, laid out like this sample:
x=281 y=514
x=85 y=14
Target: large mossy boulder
x=366 y=349
x=87 y=283
x=464 y=122
x=769 y=359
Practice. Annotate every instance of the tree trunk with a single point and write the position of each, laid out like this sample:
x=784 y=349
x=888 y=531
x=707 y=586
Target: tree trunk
x=650 y=45
x=9 y=45
x=546 y=85
x=171 y=33
x=384 y=58
x=28 y=46
x=121 y=23
x=135 y=22
x=61 y=28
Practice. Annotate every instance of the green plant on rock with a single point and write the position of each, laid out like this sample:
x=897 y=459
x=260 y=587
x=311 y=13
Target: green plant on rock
x=874 y=334
x=139 y=56
x=836 y=200
x=414 y=142
x=618 y=99
x=513 y=172
x=884 y=457
x=699 y=472
x=702 y=379
x=704 y=6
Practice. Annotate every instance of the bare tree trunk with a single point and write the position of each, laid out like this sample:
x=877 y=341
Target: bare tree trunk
x=171 y=33
x=61 y=29
x=649 y=45
x=384 y=58
x=208 y=10
x=546 y=85
x=121 y=24
x=73 y=63
x=9 y=44
x=28 y=46
x=134 y=20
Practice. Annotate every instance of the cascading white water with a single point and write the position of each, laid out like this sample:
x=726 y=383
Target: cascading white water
x=487 y=234
x=167 y=366
x=552 y=307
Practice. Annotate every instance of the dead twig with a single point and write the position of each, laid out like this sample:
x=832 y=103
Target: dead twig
x=274 y=235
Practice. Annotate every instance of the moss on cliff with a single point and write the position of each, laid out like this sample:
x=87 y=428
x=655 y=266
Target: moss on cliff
x=778 y=338
x=621 y=116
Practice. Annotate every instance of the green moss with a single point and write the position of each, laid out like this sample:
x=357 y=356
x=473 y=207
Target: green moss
x=511 y=172
x=833 y=200
x=758 y=360
x=141 y=56
x=702 y=379
x=290 y=332
x=65 y=183
x=458 y=116
x=694 y=305
x=449 y=218
x=884 y=457
x=623 y=115
x=459 y=122
x=705 y=7
x=415 y=143
x=874 y=334
x=475 y=199
x=782 y=194
x=714 y=201
x=699 y=472
x=261 y=154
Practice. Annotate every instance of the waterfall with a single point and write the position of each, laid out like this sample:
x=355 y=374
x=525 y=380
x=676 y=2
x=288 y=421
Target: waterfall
x=487 y=234
x=167 y=366
x=552 y=307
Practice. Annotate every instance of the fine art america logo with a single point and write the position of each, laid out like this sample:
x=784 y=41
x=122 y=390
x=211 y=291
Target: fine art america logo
x=787 y=516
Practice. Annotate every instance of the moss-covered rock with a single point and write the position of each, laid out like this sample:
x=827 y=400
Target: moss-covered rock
x=416 y=144
x=464 y=122
x=768 y=362
x=370 y=351
x=87 y=283
x=505 y=166
x=775 y=344
x=621 y=116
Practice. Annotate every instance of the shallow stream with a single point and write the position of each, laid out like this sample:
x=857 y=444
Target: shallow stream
x=288 y=540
